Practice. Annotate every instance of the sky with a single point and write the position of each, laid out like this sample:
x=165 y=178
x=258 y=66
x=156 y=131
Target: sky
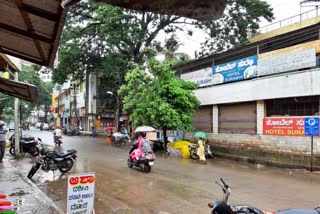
x=282 y=9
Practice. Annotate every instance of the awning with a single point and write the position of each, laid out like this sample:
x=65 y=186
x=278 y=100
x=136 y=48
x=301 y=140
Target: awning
x=14 y=88
x=18 y=89
x=31 y=29
x=195 y=9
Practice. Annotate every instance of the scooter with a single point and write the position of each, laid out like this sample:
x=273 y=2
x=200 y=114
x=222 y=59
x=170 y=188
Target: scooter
x=222 y=207
x=57 y=140
x=145 y=162
x=193 y=152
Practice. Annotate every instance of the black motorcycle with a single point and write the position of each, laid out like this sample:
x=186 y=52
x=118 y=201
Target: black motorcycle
x=52 y=160
x=145 y=162
x=222 y=207
x=193 y=152
x=27 y=145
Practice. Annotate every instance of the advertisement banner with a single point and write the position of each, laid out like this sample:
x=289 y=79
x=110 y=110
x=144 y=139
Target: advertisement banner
x=284 y=126
x=288 y=61
x=201 y=77
x=80 y=196
x=235 y=71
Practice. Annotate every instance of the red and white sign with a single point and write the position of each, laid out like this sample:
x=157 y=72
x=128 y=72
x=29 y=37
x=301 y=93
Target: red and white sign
x=284 y=126
x=81 y=193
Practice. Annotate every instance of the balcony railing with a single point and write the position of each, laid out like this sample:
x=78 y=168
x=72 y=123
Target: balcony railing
x=290 y=21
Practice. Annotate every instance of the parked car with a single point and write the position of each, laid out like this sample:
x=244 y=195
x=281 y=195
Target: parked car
x=11 y=127
x=38 y=125
x=45 y=126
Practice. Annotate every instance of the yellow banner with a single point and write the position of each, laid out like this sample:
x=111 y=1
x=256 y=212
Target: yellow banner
x=296 y=48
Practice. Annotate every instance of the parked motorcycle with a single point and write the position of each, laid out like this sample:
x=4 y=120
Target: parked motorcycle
x=52 y=160
x=27 y=145
x=193 y=152
x=222 y=207
x=120 y=139
x=145 y=162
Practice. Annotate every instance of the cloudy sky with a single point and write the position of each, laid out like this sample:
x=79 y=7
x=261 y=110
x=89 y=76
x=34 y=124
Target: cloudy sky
x=282 y=9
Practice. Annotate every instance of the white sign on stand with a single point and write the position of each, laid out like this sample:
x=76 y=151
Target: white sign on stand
x=80 y=196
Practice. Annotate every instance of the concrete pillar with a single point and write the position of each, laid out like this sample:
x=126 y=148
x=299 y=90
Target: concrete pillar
x=215 y=119
x=261 y=112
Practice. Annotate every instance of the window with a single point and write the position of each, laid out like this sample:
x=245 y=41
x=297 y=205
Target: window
x=293 y=106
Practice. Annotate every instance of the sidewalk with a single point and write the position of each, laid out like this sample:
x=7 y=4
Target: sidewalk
x=24 y=195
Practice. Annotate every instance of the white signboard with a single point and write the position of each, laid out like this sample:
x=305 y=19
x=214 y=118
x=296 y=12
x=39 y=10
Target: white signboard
x=202 y=78
x=278 y=63
x=80 y=193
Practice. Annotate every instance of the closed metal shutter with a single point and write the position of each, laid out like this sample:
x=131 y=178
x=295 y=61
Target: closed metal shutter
x=238 y=118
x=202 y=119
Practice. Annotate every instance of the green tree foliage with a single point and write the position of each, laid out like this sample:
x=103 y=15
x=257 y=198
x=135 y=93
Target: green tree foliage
x=95 y=30
x=158 y=98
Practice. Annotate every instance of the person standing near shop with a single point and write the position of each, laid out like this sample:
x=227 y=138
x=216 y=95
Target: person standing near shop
x=2 y=140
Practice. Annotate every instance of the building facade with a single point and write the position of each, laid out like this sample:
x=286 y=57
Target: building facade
x=261 y=102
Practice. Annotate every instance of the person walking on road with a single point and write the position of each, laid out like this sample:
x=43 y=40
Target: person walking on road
x=2 y=140
x=200 y=151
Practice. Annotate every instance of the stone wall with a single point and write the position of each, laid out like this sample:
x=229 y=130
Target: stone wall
x=293 y=152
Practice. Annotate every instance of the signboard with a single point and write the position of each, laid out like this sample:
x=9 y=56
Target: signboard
x=235 y=71
x=297 y=126
x=288 y=59
x=311 y=126
x=81 y=193
x=284 y=126
x=201 y=77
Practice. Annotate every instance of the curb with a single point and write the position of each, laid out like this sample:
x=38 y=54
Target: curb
x=44 y=198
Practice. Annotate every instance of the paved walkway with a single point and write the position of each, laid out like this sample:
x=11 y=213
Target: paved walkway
x=23 y=194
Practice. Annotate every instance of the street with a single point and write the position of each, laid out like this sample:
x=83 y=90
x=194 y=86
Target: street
x=173 y=185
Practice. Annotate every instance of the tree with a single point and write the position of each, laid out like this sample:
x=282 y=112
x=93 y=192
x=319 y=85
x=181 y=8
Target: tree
x=158 y=98
x=94 y=30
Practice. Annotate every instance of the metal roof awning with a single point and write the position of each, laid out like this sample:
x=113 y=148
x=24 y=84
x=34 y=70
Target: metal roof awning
x=31 y=29
x=15 y=88
x=19 y=89
x=203 y=10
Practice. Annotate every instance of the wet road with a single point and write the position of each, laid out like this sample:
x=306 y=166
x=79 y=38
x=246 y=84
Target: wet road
x=173 y=185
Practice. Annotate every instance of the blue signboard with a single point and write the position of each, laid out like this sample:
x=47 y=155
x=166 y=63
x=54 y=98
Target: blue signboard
x=235 y=71
x=311 y=126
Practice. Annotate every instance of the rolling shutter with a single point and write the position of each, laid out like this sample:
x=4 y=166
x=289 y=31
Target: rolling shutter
x=239 y=118
x=202 y=119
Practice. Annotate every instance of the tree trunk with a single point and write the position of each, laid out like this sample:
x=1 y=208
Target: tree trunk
x=165 y=138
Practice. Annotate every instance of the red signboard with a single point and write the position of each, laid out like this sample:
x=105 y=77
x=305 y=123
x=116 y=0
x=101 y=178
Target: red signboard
x=284 y=126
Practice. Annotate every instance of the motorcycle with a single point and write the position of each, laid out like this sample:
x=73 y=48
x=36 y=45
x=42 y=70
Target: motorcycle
x=57 y=140
x=222 y=207
x=193 y=152
x=27 y=145
x=144 y=163
x=120 y=139
x=52 y=160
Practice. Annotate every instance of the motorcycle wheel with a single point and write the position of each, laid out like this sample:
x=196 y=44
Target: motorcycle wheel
x=35 y=152
x=33 y=170
x=12 y=151
x=147 y=167
x=193 y=154
x=130 y=165
x=68 y=163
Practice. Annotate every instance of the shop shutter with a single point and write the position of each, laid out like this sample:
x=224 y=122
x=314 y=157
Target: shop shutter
x=202 y=119
x=238 y=118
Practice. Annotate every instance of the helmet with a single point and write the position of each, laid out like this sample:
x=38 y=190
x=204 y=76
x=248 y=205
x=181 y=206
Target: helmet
x=1 y=123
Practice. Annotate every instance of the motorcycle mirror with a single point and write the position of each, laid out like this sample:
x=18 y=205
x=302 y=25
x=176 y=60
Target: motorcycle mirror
x=39 y=139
